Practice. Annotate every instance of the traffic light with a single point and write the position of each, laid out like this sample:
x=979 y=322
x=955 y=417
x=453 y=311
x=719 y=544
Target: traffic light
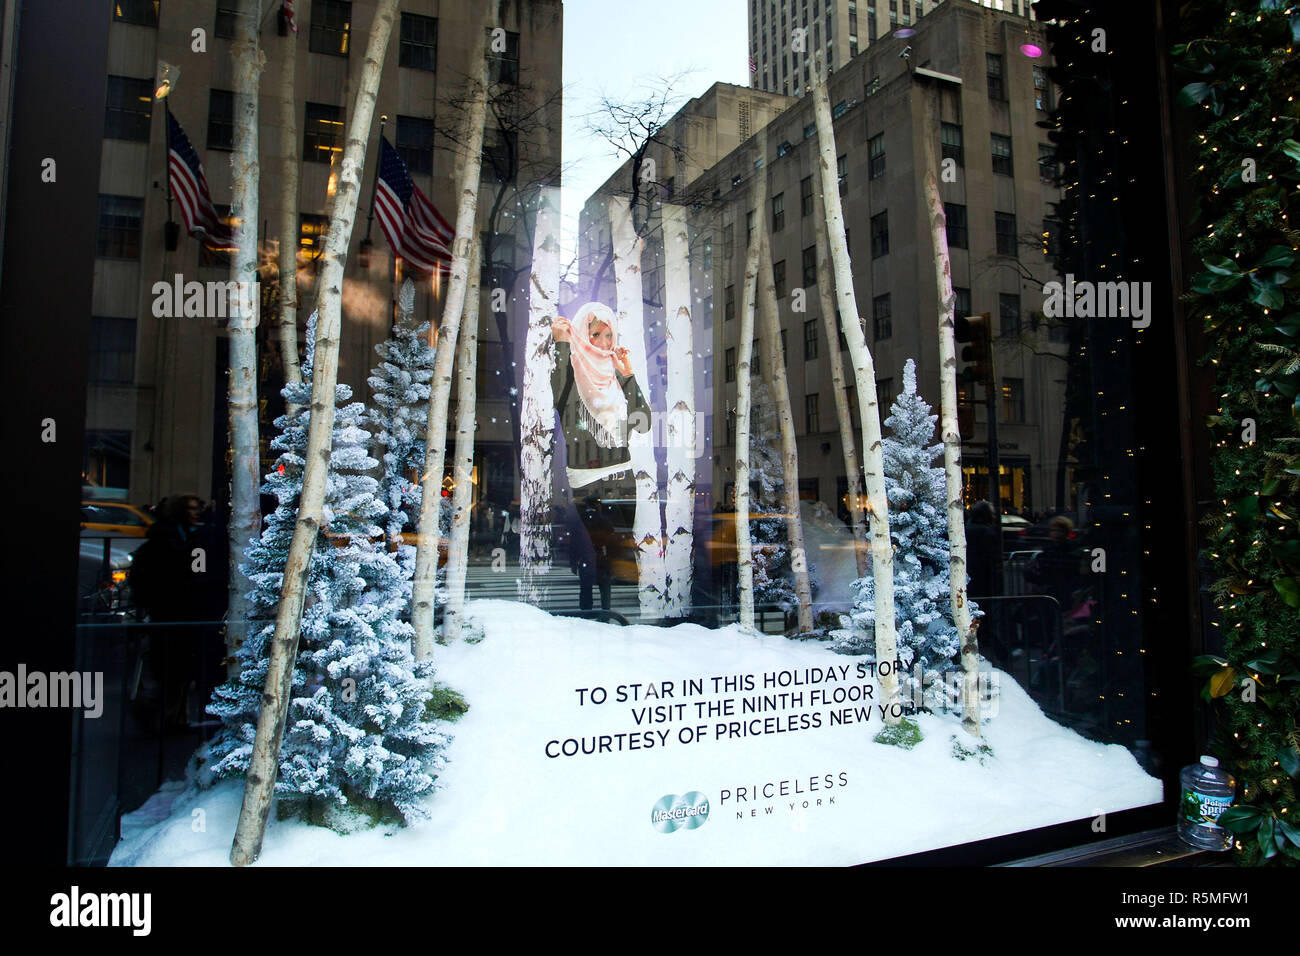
x=976 y=332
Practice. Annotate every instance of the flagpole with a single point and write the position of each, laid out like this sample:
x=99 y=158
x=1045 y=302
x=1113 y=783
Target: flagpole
x=370 y=216
x=171 y=232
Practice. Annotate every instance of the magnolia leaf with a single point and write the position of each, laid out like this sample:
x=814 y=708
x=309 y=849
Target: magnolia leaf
x=1291 y=833
x=1193 y=93
x=1207 y=664
x=1291 y=148
x=1269 y=296
x=1222 y=683
x=1267 y=844
x=1289 y=589
x=1290 y=761
x=1241 y=819
x=1222 y=265
x=1276 y=256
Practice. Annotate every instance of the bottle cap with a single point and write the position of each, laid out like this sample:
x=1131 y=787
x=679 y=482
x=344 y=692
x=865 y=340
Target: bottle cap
x=1210 y=761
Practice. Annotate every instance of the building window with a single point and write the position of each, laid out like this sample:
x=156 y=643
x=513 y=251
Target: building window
x=731 y=440
x=1009 y=313
x=1052 y=237
x=729 y=304
x=1047 y=164
x=415 y=143
x=119 y=227
x=871 y=24
x=331 y=23
x=882 y=324
x=503 y=62
x=143 y=12
x=322 y=132
x=855 y=413
x=785 y=358
x=876 y=156
x=755 y=364
x=1001 y=154
x=880 y=235
x=810 y=340
x=706 y=311
x=706 y=371
x=728 y=241
x=812 y=414
x=107 y=458
x=956 y=216
x=778 y=212
x=806 y=196
x=112 y=350
x=130 y=106
x=778 y=278
x=950 y=143
x=311 y=234
x=961 y=301
x=224 y=26
x=500 y=155
x=810 y=267
x=729 y=367
x=884 y=396
x=1004 y=224
x=1013 y=400
x=809 y=131
x=993 y=68
x=1042 y=91
x=749 y=227
x=221 y=120
x=842 y=169
x=419 y=50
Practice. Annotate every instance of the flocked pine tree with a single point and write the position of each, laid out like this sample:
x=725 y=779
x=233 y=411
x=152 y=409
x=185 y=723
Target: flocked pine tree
x=399 y=386
x=918 y=530
x=773 y=576
x=357 y=731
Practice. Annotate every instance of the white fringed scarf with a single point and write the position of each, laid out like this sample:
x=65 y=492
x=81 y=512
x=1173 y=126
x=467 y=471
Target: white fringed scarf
x=603 y=406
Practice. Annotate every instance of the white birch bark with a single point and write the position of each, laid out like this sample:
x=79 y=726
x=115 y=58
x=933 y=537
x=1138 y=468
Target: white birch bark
x=771 y=332
x=681 y=454
x=864 y=369
x=852 y=472
x=466 y=401
x=435 y=435
x=647 y=522
x=537 y=408
x=289 y=211
x=245 y=446
x=259 y=783
x=970 y=699
x=744 y=356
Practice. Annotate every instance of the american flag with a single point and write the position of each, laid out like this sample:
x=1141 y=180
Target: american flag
x=753 y=63
x=190 y=188
x=415 y=230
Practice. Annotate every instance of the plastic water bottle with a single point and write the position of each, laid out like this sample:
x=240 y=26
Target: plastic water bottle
x=1207 y=792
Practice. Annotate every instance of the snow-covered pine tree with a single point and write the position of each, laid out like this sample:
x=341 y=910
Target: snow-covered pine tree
x=357 y=731
x=399 y=386
x=918 y=530
x=773 y=577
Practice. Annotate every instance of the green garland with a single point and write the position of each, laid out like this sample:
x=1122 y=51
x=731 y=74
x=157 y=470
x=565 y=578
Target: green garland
x=1239 y=77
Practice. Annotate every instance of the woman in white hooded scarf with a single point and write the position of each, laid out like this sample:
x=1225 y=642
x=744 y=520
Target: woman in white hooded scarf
x=590 y=363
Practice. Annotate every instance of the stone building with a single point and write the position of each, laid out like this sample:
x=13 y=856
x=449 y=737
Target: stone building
x=156 y=395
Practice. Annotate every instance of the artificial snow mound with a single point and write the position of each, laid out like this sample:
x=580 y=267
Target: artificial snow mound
x=502 y=800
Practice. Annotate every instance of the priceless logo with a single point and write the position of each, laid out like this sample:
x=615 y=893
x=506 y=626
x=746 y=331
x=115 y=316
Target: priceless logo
x=686 y=812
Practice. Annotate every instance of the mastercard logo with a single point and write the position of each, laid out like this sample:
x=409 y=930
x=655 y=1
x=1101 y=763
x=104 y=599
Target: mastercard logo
x=685 y=812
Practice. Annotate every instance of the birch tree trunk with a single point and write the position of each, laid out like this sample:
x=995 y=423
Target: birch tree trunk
x=679 y=510
x=647 y=523
x=245 y=446
x=864 y=369
x=289 y=211
x=744 y=356
x=259 y=786
x=466 y=401
x=771 y=332
x=537 y=411
x=970 y=699
x=435 y=435
x=853 y=474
